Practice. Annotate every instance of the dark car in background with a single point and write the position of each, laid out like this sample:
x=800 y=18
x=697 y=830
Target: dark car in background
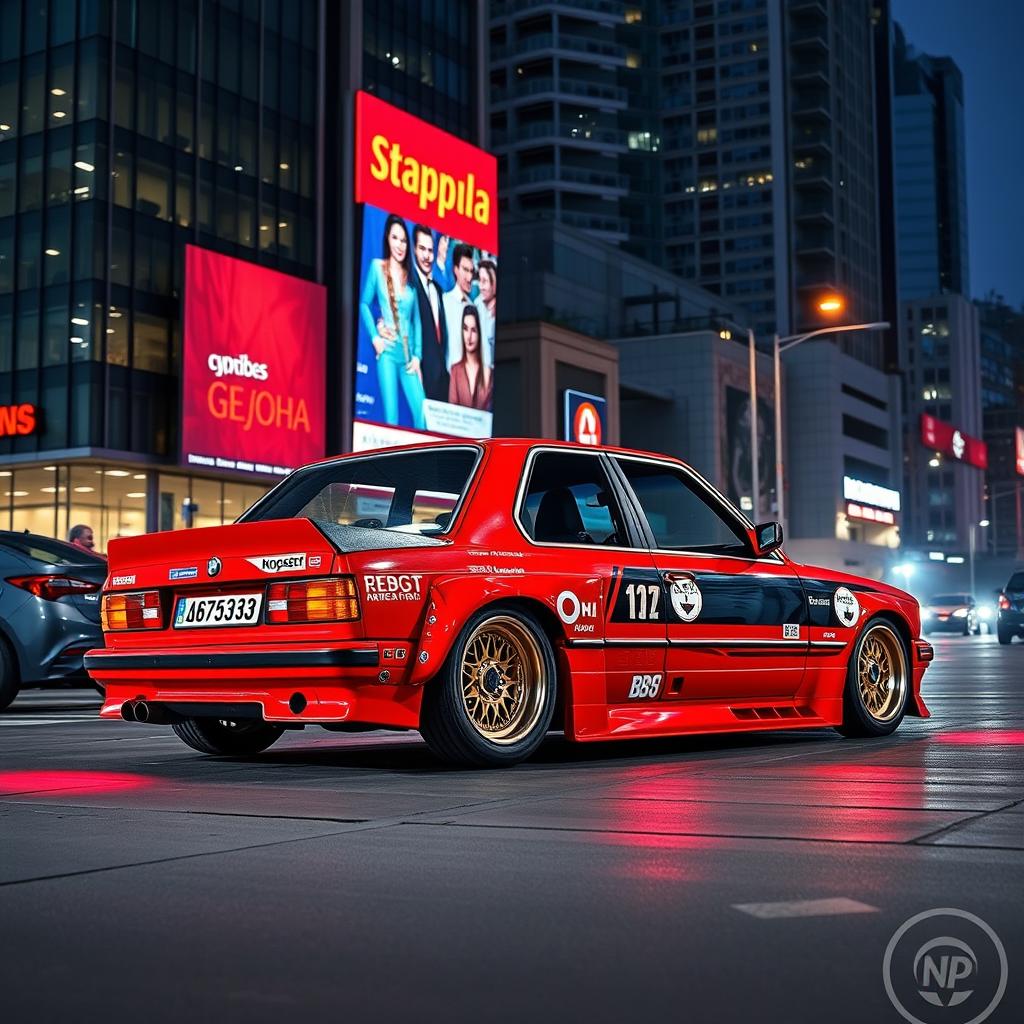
x=950 y=613
x=49 y=611
x=1010 y=622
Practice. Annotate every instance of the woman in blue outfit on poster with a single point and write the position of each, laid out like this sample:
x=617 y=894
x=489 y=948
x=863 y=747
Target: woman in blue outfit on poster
x=395 y=335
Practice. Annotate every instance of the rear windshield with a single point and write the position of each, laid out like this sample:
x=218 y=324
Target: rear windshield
x=950 y=599
x=410 y=492
x=52 y=552
x=1016 y=581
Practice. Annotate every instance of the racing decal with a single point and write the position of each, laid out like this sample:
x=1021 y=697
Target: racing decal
x=790 y=631
x=645 y=686
x=315 y=561
x=184 y=574
x=489 y=569
x=394 y=653
x=571 y=609
x=293 y=562
x=687 y=599
x=639 y=598
x=122 y=581
x=753 y=599
x=400 y=587
x=847 y=607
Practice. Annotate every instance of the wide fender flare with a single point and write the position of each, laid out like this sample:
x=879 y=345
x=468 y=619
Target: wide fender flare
x=452 y=600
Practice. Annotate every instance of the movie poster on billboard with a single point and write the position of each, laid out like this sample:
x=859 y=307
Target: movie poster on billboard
x=428 y=281
x=253 y=395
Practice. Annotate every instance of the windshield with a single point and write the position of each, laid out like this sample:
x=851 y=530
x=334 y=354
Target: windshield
x=1016 y=581
x=410 y=492
x=950 y=599
x=52 y=552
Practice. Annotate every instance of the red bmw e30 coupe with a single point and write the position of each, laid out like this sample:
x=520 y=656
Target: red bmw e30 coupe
x=487 y=592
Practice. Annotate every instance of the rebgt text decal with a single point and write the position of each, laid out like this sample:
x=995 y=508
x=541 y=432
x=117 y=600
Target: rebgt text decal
x=401 y=587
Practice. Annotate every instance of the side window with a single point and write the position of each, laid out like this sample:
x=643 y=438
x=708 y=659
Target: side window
x=679 y=515
x=569 y=501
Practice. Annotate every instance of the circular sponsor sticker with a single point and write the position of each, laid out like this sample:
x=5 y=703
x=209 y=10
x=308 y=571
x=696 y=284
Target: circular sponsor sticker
x=846 y=605
x=687 y=600
x=945 y=966
x=568 y=606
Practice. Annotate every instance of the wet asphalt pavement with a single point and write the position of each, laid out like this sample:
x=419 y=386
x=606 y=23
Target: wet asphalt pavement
x=349 y=878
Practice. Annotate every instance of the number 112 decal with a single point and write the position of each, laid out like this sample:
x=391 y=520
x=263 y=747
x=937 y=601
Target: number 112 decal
x=643 y=601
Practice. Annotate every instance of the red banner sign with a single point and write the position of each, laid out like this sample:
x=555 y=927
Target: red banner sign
x=409 y=167
x=18 y=420
x=945 y=438
x=1019 y=437
x=253 y=396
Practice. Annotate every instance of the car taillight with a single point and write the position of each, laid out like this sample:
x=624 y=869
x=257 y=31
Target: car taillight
x=329 y=600
x=1004 y=601
x=140 y=610
x=50 y=588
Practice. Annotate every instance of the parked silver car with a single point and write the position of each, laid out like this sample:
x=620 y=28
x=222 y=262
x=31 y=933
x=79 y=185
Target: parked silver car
x=49 y=610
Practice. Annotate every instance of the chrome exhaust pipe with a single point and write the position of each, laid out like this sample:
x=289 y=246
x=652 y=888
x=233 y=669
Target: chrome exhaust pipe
x=141 y=711
x=128 y=711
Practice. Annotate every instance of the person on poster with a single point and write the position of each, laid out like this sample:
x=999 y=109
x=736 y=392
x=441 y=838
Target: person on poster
x=487 y=304
x=433 y=322
x=460 y=296
x=395 y=335
x=472 y=384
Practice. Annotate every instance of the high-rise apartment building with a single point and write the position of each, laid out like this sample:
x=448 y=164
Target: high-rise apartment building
x=930 y=177
x=129 y=129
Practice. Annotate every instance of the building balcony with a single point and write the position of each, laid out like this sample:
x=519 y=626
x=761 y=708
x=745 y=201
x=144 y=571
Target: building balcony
x=810 y=211
x=808 y=139
x=602 y=182
x=813 y=175
x=599 y=8
x=805 y=72
x=574 y=45
x=808 y=37
x=538 y=132
x=602 y=94
x=600 y=223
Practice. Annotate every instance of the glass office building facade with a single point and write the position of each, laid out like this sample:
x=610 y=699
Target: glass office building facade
x=129 y=129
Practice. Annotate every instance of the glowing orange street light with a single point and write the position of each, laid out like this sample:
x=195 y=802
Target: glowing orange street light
x=831 y=304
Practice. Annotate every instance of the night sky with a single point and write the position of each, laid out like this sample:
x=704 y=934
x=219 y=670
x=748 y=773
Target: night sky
x=986 y=39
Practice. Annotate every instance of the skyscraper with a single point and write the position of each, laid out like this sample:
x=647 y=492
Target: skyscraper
x=129 y=129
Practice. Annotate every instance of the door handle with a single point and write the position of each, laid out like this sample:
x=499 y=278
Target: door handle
x=677 y=577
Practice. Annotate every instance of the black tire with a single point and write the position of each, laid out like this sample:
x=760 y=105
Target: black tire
x=858 y=719
x=217 y=736
x=1005 y=635
x=448 y=711
x=967 y=627
x=10 y=683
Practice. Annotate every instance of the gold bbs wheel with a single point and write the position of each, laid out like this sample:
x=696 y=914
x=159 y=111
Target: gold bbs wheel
x=504 y=680
x=882 y=673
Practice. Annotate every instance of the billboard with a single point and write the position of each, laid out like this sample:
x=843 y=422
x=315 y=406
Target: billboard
x=253 y=392
x=950 y=440
x=428 y=280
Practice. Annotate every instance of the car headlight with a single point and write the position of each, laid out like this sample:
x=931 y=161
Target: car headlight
x=926 y=613
x=960 y=613
x=985 y=611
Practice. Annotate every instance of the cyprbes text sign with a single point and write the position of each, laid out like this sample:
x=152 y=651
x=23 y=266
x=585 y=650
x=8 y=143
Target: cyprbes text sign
x=422 y=173
x=253 y=394
x=945 y=438
x=865 y=493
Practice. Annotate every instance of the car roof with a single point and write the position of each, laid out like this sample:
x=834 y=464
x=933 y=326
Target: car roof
x=522 y=444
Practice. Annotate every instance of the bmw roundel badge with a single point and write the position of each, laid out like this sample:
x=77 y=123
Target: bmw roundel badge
x=213 y=566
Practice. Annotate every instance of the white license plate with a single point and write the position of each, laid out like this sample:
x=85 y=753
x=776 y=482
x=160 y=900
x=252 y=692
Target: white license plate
x=225 y=610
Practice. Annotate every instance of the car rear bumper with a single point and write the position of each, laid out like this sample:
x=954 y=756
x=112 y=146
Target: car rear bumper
x=293 y=686
x=1011 y=620
x=949 y=625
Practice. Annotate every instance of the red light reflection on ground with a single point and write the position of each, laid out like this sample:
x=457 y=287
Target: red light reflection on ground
x=983 y=737
x=25 y=782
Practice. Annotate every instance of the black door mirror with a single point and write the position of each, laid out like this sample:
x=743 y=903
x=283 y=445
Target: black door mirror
x=768 y=537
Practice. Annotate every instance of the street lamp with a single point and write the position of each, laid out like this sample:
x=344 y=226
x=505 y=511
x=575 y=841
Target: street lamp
x=829 y=304
x=971 y=546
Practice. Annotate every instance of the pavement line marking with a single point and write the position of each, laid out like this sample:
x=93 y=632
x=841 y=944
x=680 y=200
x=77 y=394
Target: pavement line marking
x=806 y=908
x=14 y=723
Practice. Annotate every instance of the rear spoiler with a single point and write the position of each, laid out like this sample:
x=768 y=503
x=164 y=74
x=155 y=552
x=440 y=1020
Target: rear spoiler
x=364 y=538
